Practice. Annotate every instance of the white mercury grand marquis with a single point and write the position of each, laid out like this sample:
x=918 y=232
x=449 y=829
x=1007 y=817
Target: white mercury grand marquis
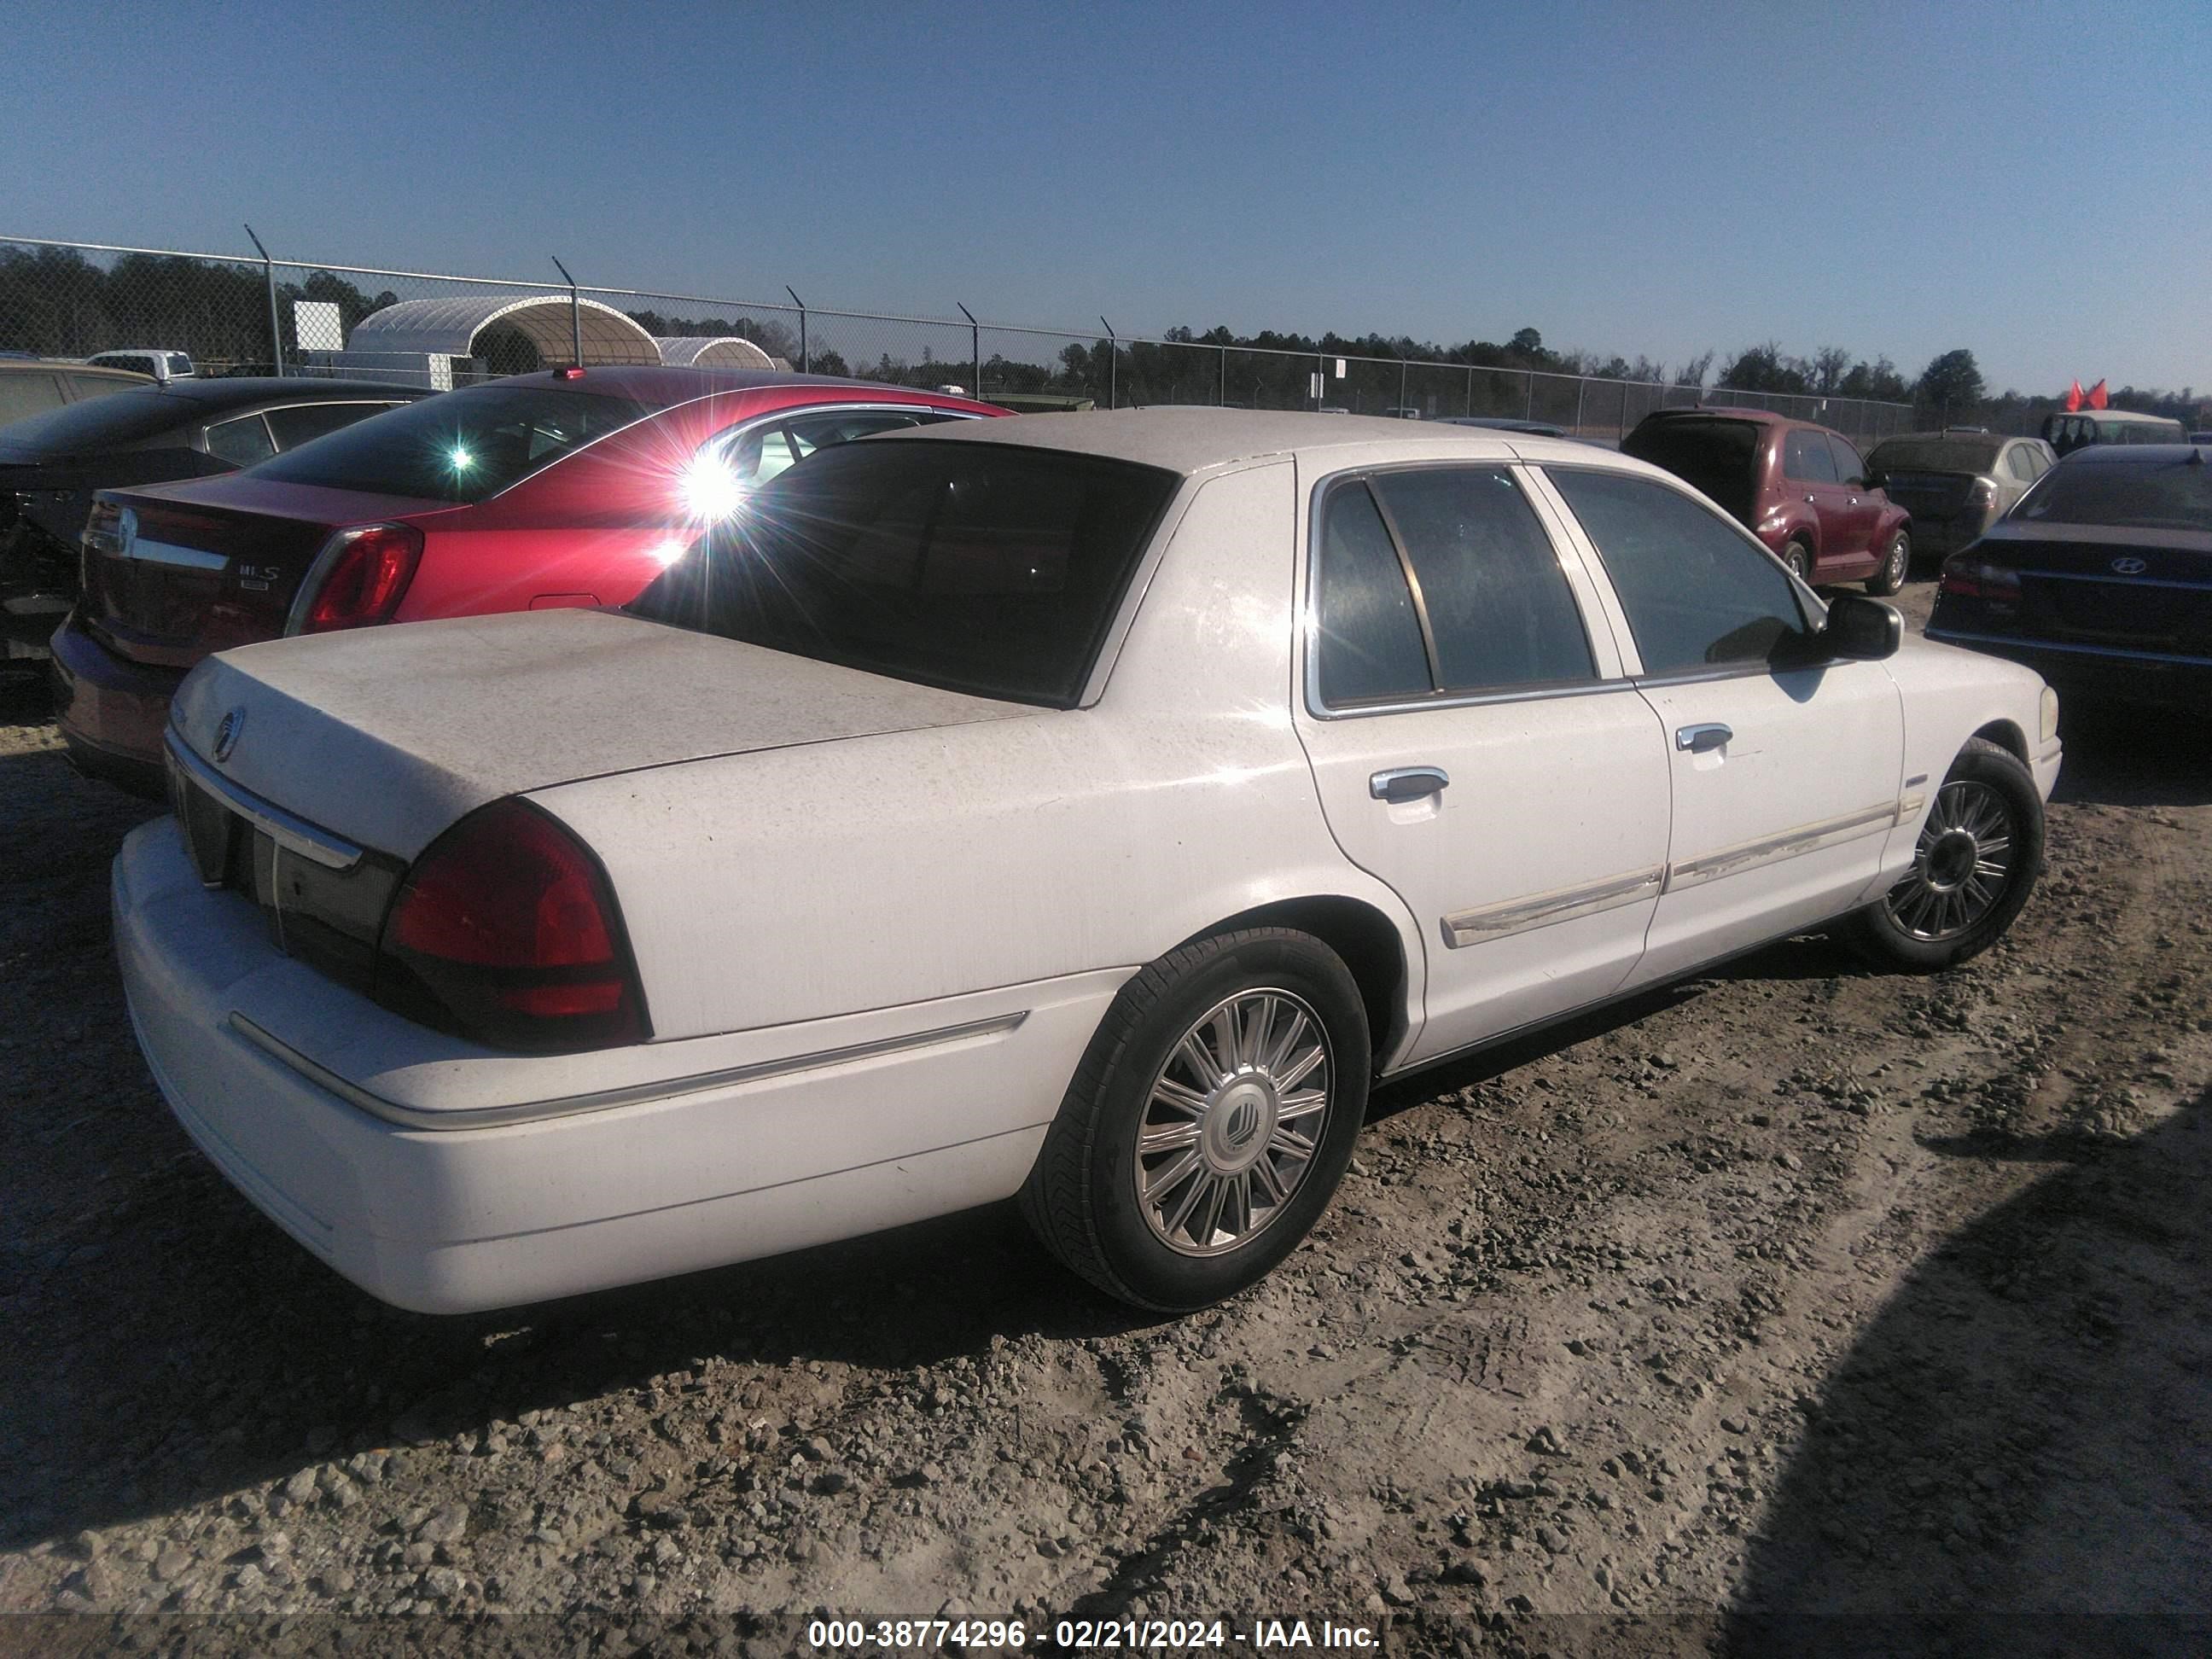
x=1084 y=807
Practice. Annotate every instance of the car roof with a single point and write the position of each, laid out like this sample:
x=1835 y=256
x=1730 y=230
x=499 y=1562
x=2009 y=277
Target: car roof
x=2131 y=454
x=669 y=383
x=2122 y=415
x=231 y=391
x=1193 y=440
x=27 y=364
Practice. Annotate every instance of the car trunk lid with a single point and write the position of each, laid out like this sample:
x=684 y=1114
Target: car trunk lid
x=2129 y=589
x=386 y=736
x=201 y=568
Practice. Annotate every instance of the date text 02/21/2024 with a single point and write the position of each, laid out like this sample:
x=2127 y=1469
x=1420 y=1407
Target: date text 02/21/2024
x=1086 y=1634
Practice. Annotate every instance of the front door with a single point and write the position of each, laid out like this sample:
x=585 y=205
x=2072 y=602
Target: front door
x=1476 y=745
x=1784 y=772
x=1808 y=467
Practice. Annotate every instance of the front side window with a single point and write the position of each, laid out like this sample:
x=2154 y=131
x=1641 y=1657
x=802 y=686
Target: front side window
x=1848 y=464
x=983 y=567
x=1805 y=457
x=241 y=442
x=1697 y=596
x=1498 y=606
x=1369 y=647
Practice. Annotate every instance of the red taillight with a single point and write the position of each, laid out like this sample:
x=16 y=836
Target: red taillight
x=358 y=579
x=1970 y=576
x=507 y=928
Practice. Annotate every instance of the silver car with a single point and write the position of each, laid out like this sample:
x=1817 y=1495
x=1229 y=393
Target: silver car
x=1956 y=482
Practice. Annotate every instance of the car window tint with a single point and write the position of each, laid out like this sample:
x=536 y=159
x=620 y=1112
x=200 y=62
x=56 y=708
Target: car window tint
x=27 y=394
x=465 y=445
x=2164 y=495
x=241 y=442
x=1848 y=464
x=303 y=423
x=1499 y=607
x=985 y=568
x=1696 y=594
x=1370 y=646
x=1805 y=457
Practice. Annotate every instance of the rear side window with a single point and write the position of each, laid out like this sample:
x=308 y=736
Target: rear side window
x=241 y=442
x=1498 y=606
x=1807 y=457
x=1696 y=594
x=2021 y=463
x=1369 y=647
x=465 y=445
x=758 y=454
x=304 y=422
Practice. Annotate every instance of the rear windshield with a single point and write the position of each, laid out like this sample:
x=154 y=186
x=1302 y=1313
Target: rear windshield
x=2169 y=496
x=1946 y=454
x=983 y=568
x=1714 y=456
x=120 y=418
x=466 y=445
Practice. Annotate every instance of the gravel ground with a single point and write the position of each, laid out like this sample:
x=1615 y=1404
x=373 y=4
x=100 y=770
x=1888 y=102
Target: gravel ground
x=1793 y=1291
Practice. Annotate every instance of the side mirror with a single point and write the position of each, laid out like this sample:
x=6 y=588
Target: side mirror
x=1872 y=481
x=1861 y=629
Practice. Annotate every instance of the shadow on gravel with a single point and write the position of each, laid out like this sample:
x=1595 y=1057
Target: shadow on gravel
x=2118 y=756
x=2014 y=1452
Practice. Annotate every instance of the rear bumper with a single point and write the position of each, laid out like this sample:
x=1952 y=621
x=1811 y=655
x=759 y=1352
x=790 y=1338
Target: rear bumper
x=111 y=711
x=838 y=1128
x=2152 y=678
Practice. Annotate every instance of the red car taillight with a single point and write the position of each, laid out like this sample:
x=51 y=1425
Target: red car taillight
x=358 y=580
x=506 y=927
x=1970 y=576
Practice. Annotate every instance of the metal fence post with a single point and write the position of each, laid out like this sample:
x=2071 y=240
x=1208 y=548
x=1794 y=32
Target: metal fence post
x=1470 y=388
x=276 y=330
x=1224 y=398
x=975 y=346
x=805 y=362
x=1528 y=404
x=576 y=312
x=1112 y=367
x=1401 y=383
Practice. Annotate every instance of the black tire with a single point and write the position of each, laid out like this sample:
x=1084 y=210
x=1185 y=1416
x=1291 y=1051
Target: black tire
x=1799 y=559
x=1932 y=919
x=1896 y=565
x=1083 y=1197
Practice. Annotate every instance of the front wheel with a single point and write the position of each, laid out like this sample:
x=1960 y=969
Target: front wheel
x=1209 y=1122
x=1979 y=852
x=1895 y=564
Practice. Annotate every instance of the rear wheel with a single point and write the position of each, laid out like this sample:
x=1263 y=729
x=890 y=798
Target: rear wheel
x=1979 y=852
x=1895 y=564
x=1210 y=1121
x=1799 y=558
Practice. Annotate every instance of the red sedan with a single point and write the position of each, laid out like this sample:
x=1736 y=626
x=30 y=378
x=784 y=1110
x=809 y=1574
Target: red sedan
x=573 y=488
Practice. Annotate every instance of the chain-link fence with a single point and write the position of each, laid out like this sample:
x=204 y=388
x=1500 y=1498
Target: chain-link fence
x=235 y=314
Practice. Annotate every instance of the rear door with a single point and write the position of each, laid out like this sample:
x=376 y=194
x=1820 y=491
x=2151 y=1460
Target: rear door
x=1476 y=744
x=1784 y=780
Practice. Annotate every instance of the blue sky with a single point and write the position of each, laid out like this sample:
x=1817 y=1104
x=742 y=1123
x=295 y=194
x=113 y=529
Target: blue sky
x=2034 y=182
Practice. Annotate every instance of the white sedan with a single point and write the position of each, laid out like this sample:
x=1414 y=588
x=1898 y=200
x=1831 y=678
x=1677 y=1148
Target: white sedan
x=1089 y=808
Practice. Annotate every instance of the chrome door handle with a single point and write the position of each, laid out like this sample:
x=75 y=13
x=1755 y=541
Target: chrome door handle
x=1698 y=739
x=1408 y=783
x=1809 y=500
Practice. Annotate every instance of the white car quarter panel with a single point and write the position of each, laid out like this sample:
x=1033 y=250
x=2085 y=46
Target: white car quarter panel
x=797 y=884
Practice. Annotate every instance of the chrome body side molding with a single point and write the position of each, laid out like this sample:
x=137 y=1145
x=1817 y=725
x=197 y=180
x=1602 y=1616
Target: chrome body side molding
x=1519 y=915
x=1771 y=849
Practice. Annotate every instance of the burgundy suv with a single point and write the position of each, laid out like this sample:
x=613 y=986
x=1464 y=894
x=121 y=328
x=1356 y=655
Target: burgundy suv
x=1801 y=489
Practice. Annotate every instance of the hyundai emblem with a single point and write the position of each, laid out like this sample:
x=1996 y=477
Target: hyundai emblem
x=2129 y=567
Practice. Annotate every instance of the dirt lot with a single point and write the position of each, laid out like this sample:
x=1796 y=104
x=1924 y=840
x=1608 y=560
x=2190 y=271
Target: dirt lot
x=1794 y=1291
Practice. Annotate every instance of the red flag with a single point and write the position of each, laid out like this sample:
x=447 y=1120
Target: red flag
x=2073 y=398
x=2097 y=395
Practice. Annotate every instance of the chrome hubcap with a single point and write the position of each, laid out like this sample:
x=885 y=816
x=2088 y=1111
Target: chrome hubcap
x=1962 y=867
x=1233 y=1121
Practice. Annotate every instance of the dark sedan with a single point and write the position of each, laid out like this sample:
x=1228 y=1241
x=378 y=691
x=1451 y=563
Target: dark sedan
x=53 y=461
x=2100 y=579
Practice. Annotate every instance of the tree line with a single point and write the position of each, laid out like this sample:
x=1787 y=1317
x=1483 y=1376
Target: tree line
x=55 y=302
